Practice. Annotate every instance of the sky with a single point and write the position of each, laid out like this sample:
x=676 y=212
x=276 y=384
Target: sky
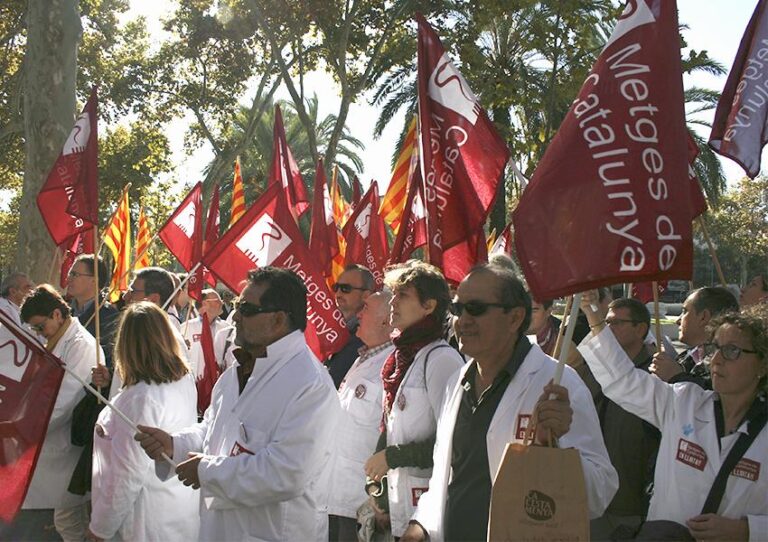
x=713 y=25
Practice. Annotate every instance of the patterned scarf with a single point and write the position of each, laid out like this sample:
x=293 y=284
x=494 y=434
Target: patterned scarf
x=407 y=345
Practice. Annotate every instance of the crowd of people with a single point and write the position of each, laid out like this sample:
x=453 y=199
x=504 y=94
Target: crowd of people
x=399 y=434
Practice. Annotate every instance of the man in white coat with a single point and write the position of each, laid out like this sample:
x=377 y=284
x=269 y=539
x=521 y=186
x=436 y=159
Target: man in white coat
x=491 y=403
x=361 y=393
x=192 y=329
x=261 y=453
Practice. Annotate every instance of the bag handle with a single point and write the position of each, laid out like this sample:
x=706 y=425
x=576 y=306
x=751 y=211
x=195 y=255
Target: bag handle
x=530 y=432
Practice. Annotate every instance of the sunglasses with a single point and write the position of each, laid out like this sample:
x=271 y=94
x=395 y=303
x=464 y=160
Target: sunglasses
x=251 y=309
x=730 y=352
x=346 y=288
x=475 y=308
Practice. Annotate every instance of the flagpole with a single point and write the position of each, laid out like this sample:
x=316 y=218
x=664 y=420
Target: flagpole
x=655 y=286
x=567 y=339
x=561 y=329
x=96 y=303
x=86 y=385
x=712 y=252
x=181 y=285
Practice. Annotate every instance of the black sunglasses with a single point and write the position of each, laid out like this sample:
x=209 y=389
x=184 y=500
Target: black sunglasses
x=730 y=352
x=346 y=288
x=476 y=308
x=251 y=309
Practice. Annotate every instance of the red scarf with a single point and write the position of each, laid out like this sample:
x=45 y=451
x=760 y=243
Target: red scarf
x=407 y=345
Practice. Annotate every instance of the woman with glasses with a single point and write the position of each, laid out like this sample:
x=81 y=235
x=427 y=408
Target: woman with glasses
x=129 y=501
x=414 y=378
x=710 y=481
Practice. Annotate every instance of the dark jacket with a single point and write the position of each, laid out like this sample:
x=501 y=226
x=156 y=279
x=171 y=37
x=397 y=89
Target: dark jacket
x=339 y=363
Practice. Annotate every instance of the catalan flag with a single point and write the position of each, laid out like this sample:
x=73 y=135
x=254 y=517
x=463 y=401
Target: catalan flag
x=340 y=215
x=142 y=243
x=238 y=195
x=118 y=239
x=392 y=205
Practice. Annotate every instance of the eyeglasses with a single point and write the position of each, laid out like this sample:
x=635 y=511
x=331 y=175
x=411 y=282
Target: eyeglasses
x=251 y=309
x=346 y=288
x=476 y=308
x=75 y=274
x=730 y=352
x=38 y=328
x=616 y=321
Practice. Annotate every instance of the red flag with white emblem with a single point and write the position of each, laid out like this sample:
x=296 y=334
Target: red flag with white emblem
x=323 y=233
x=211 y=232
x=366 y=235
x=267 y=235
x=284 y=170
x=183 y=230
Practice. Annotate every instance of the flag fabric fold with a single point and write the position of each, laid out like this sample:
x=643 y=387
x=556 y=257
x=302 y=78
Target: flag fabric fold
x=210 y=373
x=80 y=243
x=412 y=233
x=323 y=233
x=366 y=235
x=142 y=242
x=211 y=233
x=238 y=195
x=183 y=229
x=117 y=238
x=285 y=171
x=393 y=203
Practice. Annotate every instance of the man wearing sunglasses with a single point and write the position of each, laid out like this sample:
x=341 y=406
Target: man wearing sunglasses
x=353 y=286
x=260 y=454
x=699 y=308
x=491 y=401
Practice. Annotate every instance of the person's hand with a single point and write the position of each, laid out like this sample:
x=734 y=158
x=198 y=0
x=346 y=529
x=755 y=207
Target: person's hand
x=414 y=533
x=554 y=413
x=664 y=366
x=155 y=442
x=100 y=376
x=381 y=518
x=714 y=527
x=92 y=537
x=376 y=466
x=187 y=470
x=590 y=306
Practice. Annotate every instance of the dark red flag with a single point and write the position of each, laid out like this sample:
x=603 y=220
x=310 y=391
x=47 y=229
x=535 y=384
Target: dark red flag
x=68 y=201
x=413 y=230
x=357 y=191
x=366 y=235
x=643 y=291
x=29 y=383
x=267 y=235
x=210 y=373
x=323 y=233
x=610 y=200
x=285 y=171
x=182 y=233
x=82 y=243
x=463 y=157
x=211 y=232
x=698 y=200
x=740 y=129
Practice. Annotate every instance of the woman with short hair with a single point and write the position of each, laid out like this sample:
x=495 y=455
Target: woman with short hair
x=129 y=501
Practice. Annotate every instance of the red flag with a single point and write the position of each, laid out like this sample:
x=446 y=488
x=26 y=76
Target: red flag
x=323 y=233
x=68 y=201
x=610 y=199
x=643 y=291
x=414 y=233
x=698 y=200
x=462 y=257
x=267 y=235
x=210 y=373
x=82 y=243
x=211 y=232
x=366 y=235
x=285 y=171
x=182 y=232
x=740 y=129
x=29 y=384
x=357 y=191
x=463 y=156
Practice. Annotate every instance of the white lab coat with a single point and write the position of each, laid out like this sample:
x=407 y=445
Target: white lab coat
x=356 y=433
x=684 y=413
x=192 y=332
x=413 y=418
x=264 y=475
x=58 y=457
x=11 y=309
x=224 y=346
x=508 y=425
x=128 y=501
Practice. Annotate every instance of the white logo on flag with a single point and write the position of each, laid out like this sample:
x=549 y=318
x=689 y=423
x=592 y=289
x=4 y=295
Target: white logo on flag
x=185 y=220
x=363 y=222
x=264 y=241
x=417 y=207
x=14 y=356
x=636 y=14
x=449 y=88
x=78 y=137
x=327 y=205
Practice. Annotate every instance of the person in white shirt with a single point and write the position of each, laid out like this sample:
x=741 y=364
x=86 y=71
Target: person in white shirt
x=261 y=453
x=129 y=501
x=361 y=393
x=12 y=291
x=192 y=330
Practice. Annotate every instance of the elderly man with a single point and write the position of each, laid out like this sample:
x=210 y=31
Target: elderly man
x=490 y=404
x=261 y=453
x=12 y=291
x=192 y=330
x=353 y=286
x=698 y=309
x=361 y=393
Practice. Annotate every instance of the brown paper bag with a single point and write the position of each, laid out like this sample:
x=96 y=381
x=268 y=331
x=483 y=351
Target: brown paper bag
x=539 y=495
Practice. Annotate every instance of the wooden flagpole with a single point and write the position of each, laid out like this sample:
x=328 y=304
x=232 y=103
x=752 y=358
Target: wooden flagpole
x=181 y=285
x=712 y=252
x=96 y=300
x=655 y=286
x=568 y=338
x=561 y=329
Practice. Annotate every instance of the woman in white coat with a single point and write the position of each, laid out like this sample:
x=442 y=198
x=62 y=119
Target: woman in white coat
x=415 y=377
x=700 y=428
x=129 y=502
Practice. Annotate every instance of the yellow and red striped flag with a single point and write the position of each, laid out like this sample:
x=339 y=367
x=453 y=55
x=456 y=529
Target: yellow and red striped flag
x=238 y=195
x=491 y=239
x=142 y=243
x=117 y=237
x=340 y=215
x=392 y=205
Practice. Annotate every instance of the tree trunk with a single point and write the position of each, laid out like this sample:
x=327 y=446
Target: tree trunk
x=498 y=216
x=50 y=63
